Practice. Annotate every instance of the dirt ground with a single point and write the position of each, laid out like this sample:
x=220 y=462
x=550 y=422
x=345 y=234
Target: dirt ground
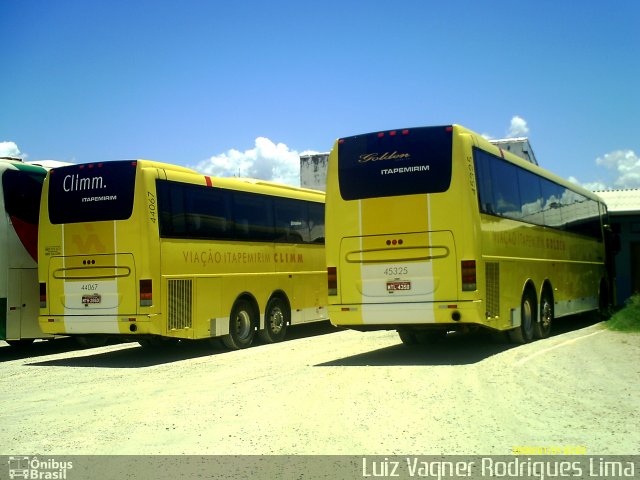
x=327 y=391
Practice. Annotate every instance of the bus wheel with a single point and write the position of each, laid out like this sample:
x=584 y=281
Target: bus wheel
x=276 y=319
x=241 y=326
x=524 y=333
x=543 y=325
x=407 y=336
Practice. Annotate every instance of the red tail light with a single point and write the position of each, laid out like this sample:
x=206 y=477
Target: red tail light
x=332 y=280
x=146 y=293
x=468 y=268
x=43 y=295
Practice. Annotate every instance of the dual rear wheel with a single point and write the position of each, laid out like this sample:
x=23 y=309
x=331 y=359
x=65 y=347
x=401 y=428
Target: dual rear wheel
x=243 y=323
x=534 y=322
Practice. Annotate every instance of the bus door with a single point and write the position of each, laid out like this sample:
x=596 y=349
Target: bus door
x=23 y=307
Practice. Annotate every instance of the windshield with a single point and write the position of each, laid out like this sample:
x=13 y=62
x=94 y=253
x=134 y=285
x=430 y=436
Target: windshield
x=22 y=189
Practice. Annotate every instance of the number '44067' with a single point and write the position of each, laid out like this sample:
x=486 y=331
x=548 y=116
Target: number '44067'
x=151 y=200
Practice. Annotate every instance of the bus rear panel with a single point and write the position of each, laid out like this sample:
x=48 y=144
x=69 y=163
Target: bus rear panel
x=95 y=251
x=393 y=244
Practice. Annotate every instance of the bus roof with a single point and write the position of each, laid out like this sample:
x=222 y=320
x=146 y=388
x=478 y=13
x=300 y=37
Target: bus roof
x=234 y=182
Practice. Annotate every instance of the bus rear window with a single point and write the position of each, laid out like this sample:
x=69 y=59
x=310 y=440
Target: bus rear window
x=398 y=162
x=22 y=194
x=92 y=192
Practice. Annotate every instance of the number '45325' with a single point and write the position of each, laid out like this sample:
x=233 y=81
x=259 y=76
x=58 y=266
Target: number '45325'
x=391 y=271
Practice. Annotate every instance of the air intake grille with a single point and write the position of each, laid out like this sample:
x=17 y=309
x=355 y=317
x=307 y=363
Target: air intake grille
x=492 y=273
x=180 y=302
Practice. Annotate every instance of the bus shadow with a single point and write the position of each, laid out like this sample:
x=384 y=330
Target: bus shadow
x=306 y=330
x=39 y=349
x=573 y=322
x=455 y=349
x=135 y=356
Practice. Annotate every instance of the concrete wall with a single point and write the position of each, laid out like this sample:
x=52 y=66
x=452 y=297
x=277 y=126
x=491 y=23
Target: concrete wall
x=313 y=171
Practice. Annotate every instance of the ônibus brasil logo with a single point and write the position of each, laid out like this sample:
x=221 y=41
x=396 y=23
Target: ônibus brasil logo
x=38 y=468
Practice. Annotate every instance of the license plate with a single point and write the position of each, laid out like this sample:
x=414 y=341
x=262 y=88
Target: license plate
x=398 y=286
x=89 y=299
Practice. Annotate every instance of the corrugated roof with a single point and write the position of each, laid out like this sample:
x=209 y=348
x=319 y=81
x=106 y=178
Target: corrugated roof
x=621 y=201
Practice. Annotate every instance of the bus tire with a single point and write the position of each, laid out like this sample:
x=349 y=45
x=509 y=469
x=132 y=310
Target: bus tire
x=241 y=326
x=524 y=333
x=407 y=336
x=276 y=318
x=545 y=319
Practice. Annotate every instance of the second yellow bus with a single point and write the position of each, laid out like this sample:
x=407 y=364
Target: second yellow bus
x=434 y=229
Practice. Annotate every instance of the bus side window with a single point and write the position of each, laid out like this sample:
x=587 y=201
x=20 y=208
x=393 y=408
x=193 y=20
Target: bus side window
x=316 y=223
x=483 y=181
x=506 y=192
x=208 y=212
x=552 y=204
x=253 y=216
x=291 y=221
x=530 y=197
x=171 y=208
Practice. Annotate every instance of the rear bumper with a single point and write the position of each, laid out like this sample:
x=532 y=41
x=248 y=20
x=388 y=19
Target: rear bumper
x=393 y=314
x=98 y=324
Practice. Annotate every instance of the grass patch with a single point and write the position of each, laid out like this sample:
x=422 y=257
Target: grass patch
x=627 y=319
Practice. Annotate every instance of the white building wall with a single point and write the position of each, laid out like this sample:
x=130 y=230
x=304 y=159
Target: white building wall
x=313 y=171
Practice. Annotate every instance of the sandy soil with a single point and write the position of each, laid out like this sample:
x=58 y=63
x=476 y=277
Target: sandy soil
x=325 y=391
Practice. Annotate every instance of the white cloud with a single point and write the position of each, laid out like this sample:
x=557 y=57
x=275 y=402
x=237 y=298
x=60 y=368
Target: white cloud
x=626 y=164
x=518 y=127
x=593 y=186
x=266 y=161
x=10 y=149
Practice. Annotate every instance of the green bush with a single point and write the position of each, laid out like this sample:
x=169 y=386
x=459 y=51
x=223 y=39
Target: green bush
x=627 y=319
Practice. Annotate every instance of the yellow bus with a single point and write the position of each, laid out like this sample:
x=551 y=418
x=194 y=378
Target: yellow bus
x=434 y=229
x=152 y=251
x=20 y=189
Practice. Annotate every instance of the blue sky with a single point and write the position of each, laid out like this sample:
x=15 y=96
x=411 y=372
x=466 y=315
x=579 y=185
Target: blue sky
x=230 y=87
